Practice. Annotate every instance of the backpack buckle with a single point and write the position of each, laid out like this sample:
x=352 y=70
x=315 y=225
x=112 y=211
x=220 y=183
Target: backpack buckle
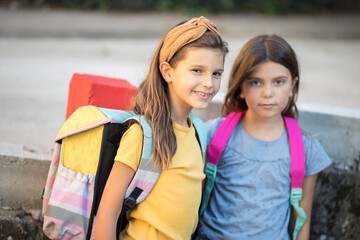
x=211 y=170
x=295 y=195
x=128 y=204
x=295 y=198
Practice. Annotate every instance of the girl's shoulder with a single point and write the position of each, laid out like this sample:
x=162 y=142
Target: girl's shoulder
x=310 y=142
x=130 y=147
x=316 y=158
x=308 y=139
x=212 y=125
x=135 y=131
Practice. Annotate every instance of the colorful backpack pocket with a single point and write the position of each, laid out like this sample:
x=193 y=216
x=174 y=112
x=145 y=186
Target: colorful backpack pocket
x=68 y=211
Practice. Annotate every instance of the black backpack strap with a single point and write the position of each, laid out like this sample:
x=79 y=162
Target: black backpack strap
x=112 y=134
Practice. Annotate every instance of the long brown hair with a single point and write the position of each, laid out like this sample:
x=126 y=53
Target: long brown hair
x=258 y=50
x=152 y=98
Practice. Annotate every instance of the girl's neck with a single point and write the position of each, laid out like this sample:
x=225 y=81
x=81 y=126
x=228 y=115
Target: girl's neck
x=180 y=113
x=266 y=129
x=180 y=118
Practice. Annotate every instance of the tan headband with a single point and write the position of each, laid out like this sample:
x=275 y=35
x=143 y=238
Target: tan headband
x=184 y=34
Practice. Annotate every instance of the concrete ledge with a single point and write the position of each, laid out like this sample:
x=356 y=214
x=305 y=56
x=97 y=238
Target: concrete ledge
x=339 y=135
x=22 y=178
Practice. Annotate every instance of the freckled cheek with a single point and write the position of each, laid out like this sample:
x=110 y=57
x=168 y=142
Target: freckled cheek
x=217 y=81
x=287 y=92
x=252 y=92
x=217 y=84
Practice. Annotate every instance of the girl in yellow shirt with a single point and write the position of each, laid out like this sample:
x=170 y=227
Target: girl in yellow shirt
x=185 y=73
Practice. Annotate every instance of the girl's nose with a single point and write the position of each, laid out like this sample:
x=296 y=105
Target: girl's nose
x=267 y=91
x=207 y=81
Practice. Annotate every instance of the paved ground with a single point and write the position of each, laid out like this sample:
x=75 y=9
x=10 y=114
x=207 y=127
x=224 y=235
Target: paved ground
x=41 y=49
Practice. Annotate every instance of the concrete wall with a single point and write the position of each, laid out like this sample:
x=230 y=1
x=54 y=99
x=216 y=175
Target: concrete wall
x=336 y=209
x=340 y=137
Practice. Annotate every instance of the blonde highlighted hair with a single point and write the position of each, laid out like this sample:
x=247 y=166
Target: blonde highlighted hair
x=152 y=98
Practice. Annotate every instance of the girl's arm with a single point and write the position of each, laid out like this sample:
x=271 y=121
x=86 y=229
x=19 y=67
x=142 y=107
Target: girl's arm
x=112 y=200
x=306 y=203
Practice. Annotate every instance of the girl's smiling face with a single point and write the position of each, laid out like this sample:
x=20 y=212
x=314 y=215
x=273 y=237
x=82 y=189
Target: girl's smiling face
x=268 y=89
x=194 y=80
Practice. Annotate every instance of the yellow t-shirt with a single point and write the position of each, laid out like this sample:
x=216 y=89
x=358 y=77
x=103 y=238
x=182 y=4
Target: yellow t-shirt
x=170 y=211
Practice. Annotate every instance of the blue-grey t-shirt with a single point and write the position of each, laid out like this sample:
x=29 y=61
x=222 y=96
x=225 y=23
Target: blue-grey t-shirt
x=251 y=196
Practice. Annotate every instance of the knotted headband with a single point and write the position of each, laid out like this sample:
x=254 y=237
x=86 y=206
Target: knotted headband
x=184 y=34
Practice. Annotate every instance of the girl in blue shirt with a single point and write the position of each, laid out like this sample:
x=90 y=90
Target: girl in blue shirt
x=251 y=195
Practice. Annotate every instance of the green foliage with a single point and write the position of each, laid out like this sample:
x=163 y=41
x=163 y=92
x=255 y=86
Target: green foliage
x=211 y=6
x=87 y=4
x=196 y=6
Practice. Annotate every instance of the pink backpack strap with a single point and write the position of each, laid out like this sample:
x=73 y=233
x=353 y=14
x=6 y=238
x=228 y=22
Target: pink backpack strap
x=297 y=171
x=216 y=147
x=222 y=135
x=297 y=152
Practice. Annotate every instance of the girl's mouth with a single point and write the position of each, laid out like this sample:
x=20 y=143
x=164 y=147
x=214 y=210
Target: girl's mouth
x=203 y=95
x=268 y=105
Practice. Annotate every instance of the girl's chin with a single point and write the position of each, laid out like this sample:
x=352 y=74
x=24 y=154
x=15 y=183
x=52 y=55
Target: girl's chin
x=267 y=113
x=201 y=106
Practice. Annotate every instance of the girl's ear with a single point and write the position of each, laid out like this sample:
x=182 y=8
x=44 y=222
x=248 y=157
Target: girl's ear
x=294 y=82
x=293 y=85
x=242 y=95
x=165 y=70
x=241 y=90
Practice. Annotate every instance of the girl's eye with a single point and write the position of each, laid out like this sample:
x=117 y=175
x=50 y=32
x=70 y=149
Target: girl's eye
x=279 y=82
x=197 y=70
x=255 y=83
x=217 y=74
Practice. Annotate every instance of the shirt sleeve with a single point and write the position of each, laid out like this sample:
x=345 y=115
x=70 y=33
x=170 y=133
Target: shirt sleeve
x=316 y=158
x=130 y=147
